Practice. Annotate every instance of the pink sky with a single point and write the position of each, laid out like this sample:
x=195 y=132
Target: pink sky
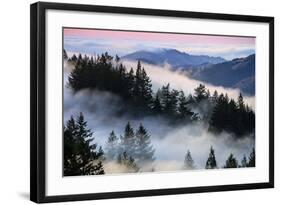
x=160 y=37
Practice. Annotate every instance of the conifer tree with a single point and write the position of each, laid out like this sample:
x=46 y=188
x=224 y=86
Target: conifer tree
x=73 y=58
x=144 y=152
x=215 y=96
x=128 y=141
x=112 y=146
x=188 y=161
x=80 y=154
x=200 y=93
x=146 y=88
x=183 y=109
x=252 y=159
x=174 y=102
x=65 y=56
x=231 y=162
x=211 y=162
x=131 y=82
x=142 y=91
x=156 y=105
x=166 y=99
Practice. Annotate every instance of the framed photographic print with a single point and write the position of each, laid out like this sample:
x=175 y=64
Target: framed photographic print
x=129 y=102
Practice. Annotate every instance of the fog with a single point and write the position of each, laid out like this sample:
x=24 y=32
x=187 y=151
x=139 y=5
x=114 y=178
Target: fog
x=101 y=111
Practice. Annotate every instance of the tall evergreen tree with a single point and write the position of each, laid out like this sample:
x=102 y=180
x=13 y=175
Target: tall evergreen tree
x=166 y=98
x=231 y=162
x=65 y=56
x=183 y=109
x=217 y=120
x=200 y=93
x=188 y=161
x=128 y=141
x=112 y=146
x=215 y=96
x=142 y=92
x=146 y=89
x=156 y=105
x=211 y=162
x=252 y=159
x=144 y=152
x=174 y=101
x=80 y=154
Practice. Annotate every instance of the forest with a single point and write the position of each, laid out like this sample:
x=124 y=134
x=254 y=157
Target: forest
x=133 y=149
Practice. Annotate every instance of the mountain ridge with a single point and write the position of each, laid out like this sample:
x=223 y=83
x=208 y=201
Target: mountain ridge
x=173 y=57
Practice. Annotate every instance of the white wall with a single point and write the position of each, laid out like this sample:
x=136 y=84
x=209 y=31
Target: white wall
x=14 y=103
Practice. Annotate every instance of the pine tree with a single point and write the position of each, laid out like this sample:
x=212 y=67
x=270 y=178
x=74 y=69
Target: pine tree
x=244 y=162
x=183 y=109
x=156 y=105
x=117 y=58
x=144 y=152
x=142 y=91
x=252 y=159
x=188 y=161
x=240 y=102
x=128 y=141
x=231 y=162
x=112 y=146
x=200 y=93
x=80 y=155
x=166 y=98
x=73 y=58
x=215 y=96
x=174 y=102
x=217 y=121
x=146 y=89
x=211 y=162
x=131 y=82
x=65 y=57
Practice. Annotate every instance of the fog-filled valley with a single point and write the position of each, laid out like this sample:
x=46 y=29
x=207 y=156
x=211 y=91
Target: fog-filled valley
x=173 y=141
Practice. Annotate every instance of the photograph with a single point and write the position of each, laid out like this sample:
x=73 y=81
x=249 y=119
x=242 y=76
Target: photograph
x=147 y=101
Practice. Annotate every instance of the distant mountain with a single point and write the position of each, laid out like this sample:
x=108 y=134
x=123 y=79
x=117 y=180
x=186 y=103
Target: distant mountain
x=173 y=57
x=237 y=73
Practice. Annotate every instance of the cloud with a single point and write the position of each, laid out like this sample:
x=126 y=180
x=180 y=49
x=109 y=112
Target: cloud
x=162 y=75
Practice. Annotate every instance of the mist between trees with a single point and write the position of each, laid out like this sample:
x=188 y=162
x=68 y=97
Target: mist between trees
x=141 y=129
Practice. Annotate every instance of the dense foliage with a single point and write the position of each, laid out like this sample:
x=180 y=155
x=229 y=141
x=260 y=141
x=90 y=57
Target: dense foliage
x=106 y=73
x=81 y=156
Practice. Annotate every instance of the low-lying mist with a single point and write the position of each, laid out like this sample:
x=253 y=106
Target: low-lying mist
x=171 y=142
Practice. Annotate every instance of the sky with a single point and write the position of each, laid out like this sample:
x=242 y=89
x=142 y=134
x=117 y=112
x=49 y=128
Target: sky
x=94 y=41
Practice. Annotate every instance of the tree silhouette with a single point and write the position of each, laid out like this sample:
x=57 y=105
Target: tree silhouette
x=211 y=162
x=200 y=93
x=128 y=141
x=112 y=146
x=231 y=162
x=144 y=152
x=80 y=154
x=252 y=159
x=188 y=161
x=156 y=105
x=183 y=109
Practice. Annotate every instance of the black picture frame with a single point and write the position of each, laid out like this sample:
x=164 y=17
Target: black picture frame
x=38 y=100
